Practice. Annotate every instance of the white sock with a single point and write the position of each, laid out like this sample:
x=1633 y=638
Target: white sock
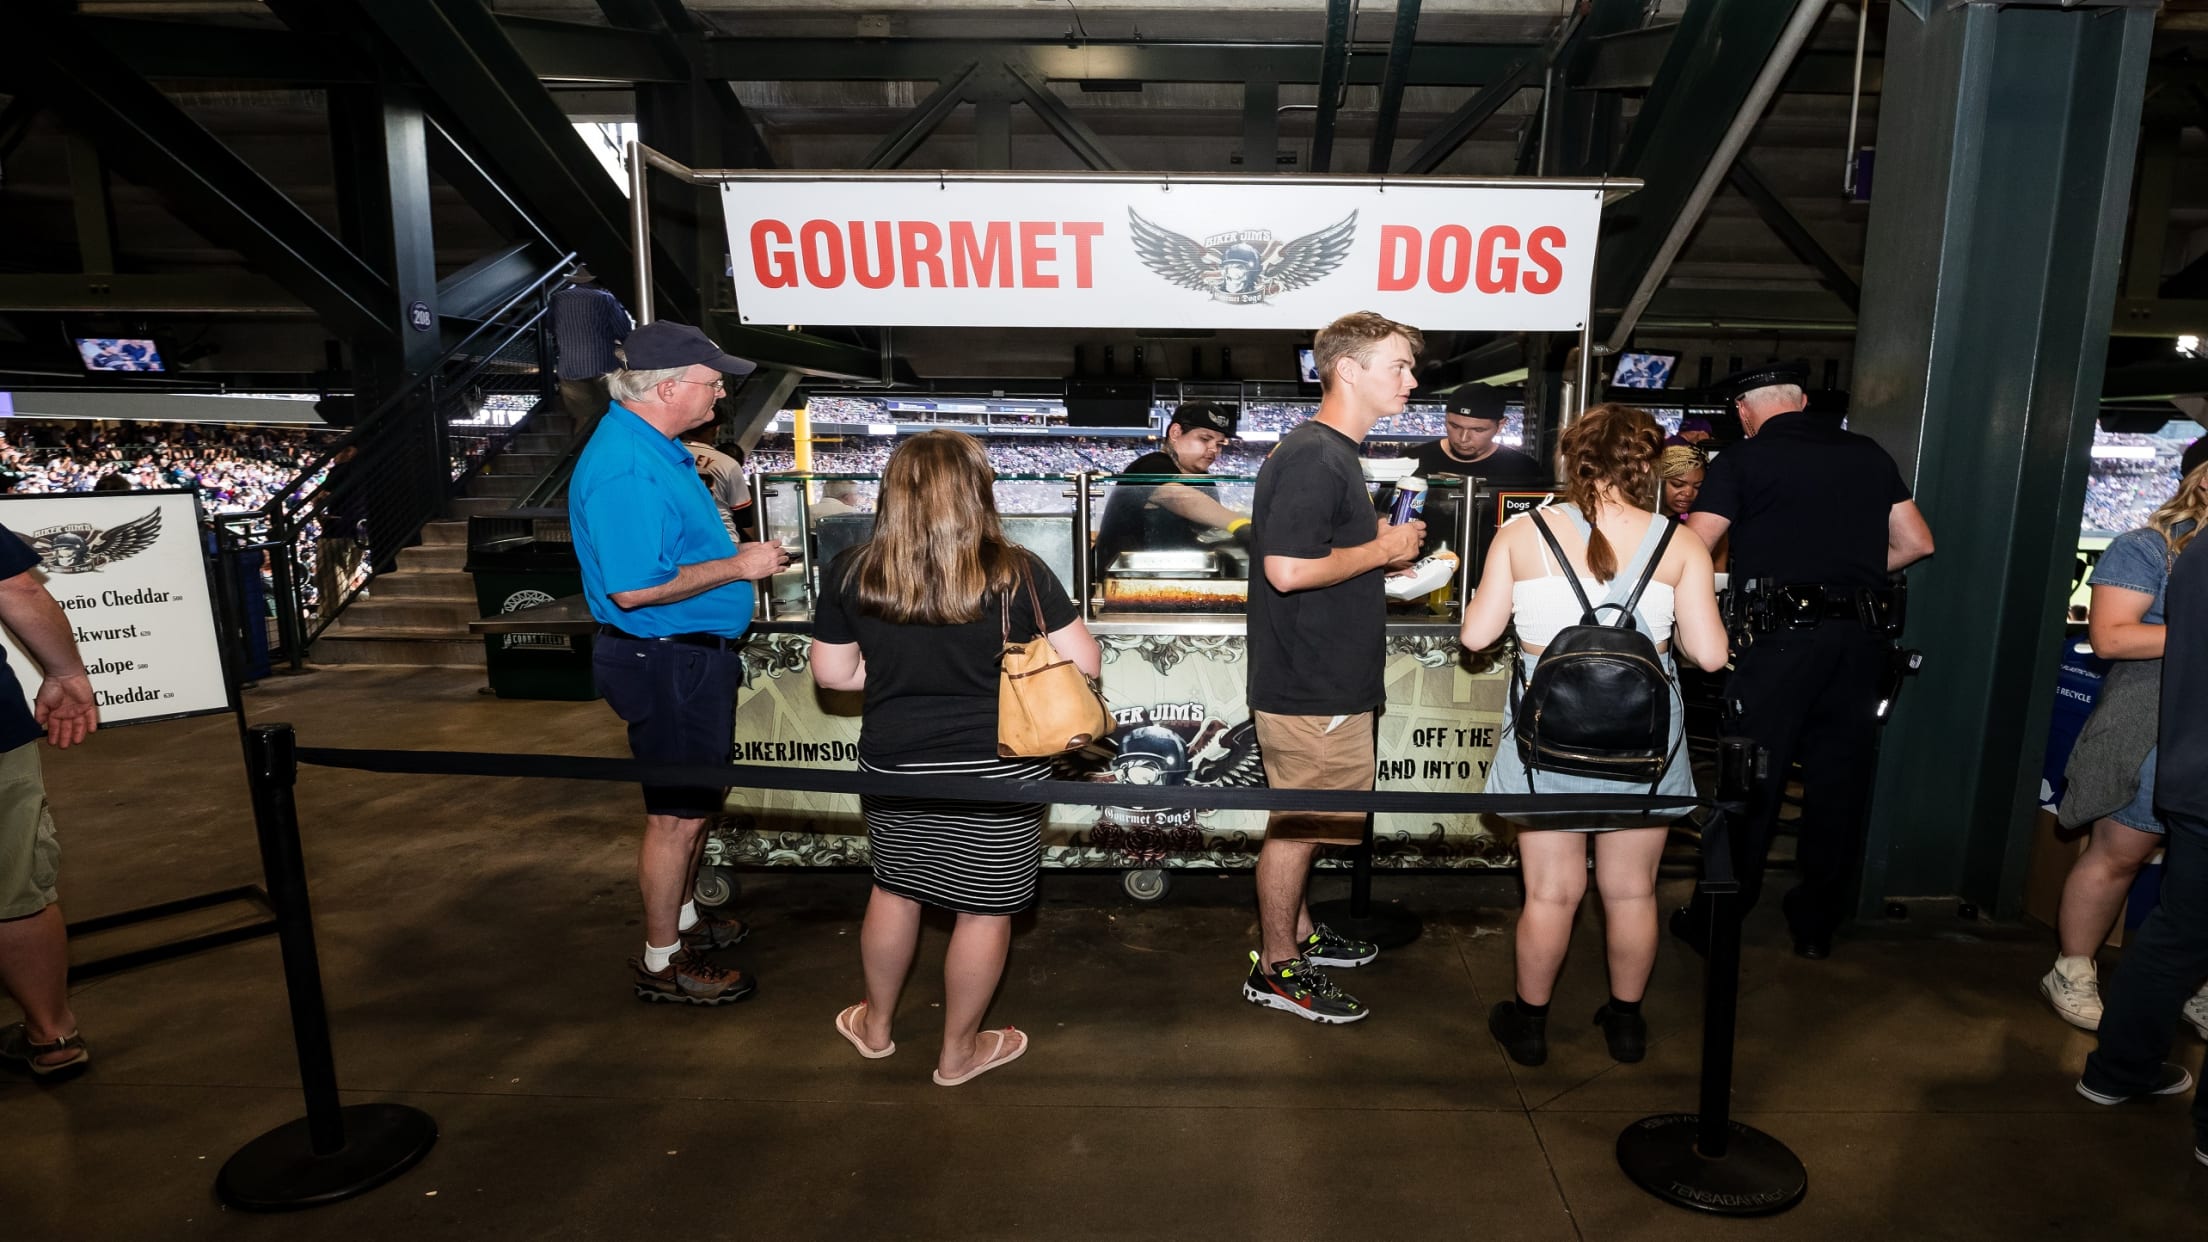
x=655 y=959
x=2074 y=968
x=688 y=918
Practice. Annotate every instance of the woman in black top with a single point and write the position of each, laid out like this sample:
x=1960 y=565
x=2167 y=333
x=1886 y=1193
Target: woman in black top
x=915 y=617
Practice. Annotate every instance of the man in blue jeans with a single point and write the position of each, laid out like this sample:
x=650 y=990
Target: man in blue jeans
x=2169 y=957
x=672 y=594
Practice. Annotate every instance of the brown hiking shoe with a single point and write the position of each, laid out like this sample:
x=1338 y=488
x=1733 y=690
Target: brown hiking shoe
x=691 y=980
x=712 y=932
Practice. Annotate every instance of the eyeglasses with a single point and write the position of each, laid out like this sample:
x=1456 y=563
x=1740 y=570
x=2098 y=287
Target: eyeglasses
x=715 y=385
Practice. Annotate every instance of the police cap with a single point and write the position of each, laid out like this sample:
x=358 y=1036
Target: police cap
x=1767 y=375
x=1478 y=401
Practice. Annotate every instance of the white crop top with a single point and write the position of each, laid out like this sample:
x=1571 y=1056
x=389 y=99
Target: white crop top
x=1540 y=607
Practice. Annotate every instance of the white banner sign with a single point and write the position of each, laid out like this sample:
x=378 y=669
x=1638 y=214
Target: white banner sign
x=129 y=572
x=1098 y=253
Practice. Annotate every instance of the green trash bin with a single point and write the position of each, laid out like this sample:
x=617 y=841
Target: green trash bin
x=525 y=562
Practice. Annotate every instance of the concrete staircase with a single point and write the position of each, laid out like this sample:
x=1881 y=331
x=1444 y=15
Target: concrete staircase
x=419 y=612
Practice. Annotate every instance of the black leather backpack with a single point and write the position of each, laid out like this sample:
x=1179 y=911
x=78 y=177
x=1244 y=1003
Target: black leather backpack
x=1599 y=703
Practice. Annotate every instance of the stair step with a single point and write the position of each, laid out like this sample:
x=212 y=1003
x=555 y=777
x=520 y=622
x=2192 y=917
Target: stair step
x=380 y=612
x=507 y=487
x=469 y=506
x=426 y=584
x=539 y=443
x=445 y=531
x=336 y=646
x=528 y=465
x=434 y=556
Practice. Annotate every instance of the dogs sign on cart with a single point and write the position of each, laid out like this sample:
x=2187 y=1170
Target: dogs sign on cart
x=129 y=572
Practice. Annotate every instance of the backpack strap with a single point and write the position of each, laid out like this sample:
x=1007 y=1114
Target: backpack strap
x=1655 y=558
x=1586 y=606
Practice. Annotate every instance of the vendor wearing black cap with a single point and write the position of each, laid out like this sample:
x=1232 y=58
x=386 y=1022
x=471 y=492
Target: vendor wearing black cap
x=672 y=594
x=1819 y=519
x=1468 y=447
x=1149 y=517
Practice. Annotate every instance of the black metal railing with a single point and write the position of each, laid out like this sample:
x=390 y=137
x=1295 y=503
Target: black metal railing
x=350 y=511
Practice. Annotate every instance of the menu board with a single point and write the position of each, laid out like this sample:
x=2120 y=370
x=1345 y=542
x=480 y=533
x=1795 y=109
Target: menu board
x=130 y=572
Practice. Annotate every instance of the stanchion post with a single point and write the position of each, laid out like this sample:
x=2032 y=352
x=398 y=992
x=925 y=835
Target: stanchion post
x=1386 y=924
x=1705 y=1160
x=334 y=1152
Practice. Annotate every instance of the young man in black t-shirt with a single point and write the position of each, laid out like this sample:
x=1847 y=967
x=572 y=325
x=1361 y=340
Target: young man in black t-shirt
x=1317 y=644
x=1474 y=418
x=1171 y=515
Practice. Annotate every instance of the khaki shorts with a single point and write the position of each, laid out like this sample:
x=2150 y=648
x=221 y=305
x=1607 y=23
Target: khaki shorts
x=1301 y=753
x=30 y=858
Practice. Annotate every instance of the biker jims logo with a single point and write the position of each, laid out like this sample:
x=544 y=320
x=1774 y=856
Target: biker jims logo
x=80 y=547
x=1171 y=744
x=1245 y=265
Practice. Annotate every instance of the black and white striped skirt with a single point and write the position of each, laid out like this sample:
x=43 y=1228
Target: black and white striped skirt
x=973 y=857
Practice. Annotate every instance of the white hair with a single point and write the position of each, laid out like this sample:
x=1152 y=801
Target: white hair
x=1774 y=399
x=627 y=386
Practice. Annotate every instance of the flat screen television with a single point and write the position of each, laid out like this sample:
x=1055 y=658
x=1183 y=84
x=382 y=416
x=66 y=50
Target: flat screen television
x=1109 y=403
x=114 y=353
x=1307 y=366
x=1644 y=370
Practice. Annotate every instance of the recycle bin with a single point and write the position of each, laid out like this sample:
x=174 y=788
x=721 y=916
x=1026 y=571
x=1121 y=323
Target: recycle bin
x=524 y=562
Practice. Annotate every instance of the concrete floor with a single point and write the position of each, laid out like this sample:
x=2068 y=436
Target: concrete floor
x=472 y=940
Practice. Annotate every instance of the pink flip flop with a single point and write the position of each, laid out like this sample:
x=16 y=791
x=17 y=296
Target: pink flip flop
x=847 y=1025
x=996 y=1058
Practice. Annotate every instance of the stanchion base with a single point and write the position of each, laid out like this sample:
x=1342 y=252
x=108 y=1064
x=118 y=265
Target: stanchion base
x=1757 y=1176
x=1385 y=923
x=279 y=1172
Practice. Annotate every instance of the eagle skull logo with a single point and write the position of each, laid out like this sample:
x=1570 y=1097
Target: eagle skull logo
x=1244 y=265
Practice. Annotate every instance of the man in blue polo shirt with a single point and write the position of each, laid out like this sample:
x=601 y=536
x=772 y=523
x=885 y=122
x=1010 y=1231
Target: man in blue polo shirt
x=672 y=595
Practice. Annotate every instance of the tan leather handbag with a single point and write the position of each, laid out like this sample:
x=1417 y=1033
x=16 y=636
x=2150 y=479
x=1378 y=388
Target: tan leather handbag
x=1045 y=705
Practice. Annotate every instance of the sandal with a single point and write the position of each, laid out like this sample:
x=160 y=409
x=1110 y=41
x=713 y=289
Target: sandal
x=16 y=1045
x=996 y=1058
x=847 y=1025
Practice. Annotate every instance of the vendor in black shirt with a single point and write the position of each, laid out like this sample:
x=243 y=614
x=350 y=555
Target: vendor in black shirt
x=1148 y=517
x=1468 y=448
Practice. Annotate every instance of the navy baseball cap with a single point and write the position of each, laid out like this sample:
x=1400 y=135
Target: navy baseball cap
x=1478 y=401
x=661 y=345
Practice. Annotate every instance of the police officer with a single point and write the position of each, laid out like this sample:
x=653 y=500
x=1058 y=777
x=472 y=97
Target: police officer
x=1820 y=520
x=1154 y=517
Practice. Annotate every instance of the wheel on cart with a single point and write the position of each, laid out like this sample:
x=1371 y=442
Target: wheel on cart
x=1145 y=885
x=716 y=886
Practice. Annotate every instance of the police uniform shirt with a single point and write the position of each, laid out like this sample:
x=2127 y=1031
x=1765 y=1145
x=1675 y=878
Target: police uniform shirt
x=1808 y=502
x=1131 y=523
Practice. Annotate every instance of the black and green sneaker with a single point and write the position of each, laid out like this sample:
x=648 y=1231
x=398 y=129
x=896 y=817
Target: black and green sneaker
x=1307 y=993
x=1327 y=947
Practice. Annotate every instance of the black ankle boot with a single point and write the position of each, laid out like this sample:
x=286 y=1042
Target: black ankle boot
x=1524 y=1036
x=1626 y=1033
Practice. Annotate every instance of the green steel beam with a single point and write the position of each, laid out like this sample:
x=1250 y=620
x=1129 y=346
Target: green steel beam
x=1333 y=65
x=1261 y=127
x=1392 y=82
x=582 y=52
x=1793 y=232
x=917 y=124
x=147 y=138
x=795 y=351
x=2006 y=145
x=205 y=50
x=1061 y=120
x=1443 y=140
x=1709 y=68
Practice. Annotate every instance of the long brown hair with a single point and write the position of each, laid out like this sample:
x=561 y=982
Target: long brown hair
x=938 y=548
x=1615 y=446
x=2189 y=505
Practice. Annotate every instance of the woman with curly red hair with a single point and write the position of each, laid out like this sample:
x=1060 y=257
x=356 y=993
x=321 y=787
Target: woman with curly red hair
x=1608 y=462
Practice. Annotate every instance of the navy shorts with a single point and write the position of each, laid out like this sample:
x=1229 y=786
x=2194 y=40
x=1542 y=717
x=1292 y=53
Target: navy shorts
x=680 y=704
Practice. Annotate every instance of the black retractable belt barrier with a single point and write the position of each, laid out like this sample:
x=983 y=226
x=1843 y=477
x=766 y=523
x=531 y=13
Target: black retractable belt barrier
x=334 y=1152
x=1705 y=1160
